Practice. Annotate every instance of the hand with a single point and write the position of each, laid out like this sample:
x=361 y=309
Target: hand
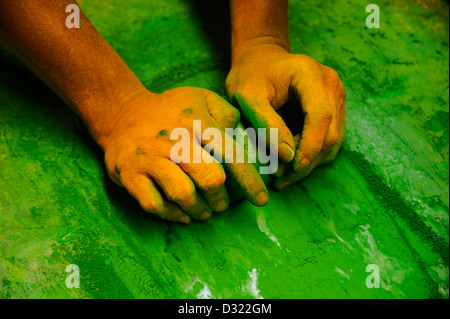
x=263 y=78
x=137 y=155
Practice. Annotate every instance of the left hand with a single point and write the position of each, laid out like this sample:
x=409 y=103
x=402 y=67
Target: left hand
x=263 y=78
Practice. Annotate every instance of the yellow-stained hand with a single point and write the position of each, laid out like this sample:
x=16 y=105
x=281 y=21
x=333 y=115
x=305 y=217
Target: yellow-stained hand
x=263 y=78
x=137 y=155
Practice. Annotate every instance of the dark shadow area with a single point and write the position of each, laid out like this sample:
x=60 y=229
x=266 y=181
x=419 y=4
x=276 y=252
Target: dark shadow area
x=19 y=80
x=22 y=82
x=214 y=19
x=293 y=116
x=291 y=113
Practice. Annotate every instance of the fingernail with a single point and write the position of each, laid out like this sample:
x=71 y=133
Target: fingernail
x=302 y=164
x=262 y=198
x=184 y=219
x=284 y=148
x=205 y=215
x=283 y=185
x=221 y=205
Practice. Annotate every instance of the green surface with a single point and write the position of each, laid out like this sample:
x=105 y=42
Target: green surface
x=383 y=201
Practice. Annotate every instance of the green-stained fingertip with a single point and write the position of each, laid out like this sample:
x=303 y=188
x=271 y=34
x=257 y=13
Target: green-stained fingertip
x=184 y=219
x=301 y=163
x=286 y=152
x=205 y=216
x=283 y=185
x=262 y=198
x=220 y=206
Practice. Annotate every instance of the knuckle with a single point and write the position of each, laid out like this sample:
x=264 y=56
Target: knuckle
x=114 y=178
x=334 y=75
x=327 y=115
x=332 y=137
x=184 y=196
x=306 y=59
x=111 y=164
x=123 y=161
x=152 y=207
x=214 y=181
x=117 y=169
x=329 y=142
x=331 y=74
x=125 y=169
x=229 y=84
x=343 y=92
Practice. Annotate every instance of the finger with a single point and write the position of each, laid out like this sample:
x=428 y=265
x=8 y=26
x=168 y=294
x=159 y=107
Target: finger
x=325 y=157
x=332 y=133
x=336 y=97
x=340 y=139
x=331 y=154
x=319 y=114
x=283 y=167
x=146 y=193
x=221 y=111
x=209 y=177
x=291 y=176
x=178 y=188
x=261 y=114
x=234 y=158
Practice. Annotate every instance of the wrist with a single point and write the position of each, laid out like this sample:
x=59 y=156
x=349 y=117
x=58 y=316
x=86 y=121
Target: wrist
x=112 y=112
x=261 y=46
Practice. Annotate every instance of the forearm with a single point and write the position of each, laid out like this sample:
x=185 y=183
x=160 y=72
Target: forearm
x=78 y=64
x=258 y=22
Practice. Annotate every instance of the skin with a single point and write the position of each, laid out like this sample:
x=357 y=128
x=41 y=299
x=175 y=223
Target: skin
x=137 y=155
x=265 y=75
x=132 y=124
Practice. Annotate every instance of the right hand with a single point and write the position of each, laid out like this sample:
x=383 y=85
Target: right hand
x=263 y=78
x=137 y=155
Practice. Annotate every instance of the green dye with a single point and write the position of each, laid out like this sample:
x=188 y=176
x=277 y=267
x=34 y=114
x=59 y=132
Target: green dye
x=163 y=133
x=383 y=201
x=395 y=204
